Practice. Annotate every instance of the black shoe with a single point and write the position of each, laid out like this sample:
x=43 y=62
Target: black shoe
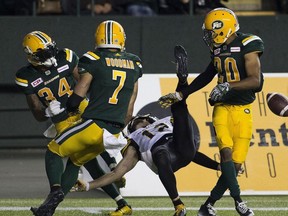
x=243 y=210
x=38 y=213
x=50 y=204
x=181 y=59
x=207 y=210
x=180 y=210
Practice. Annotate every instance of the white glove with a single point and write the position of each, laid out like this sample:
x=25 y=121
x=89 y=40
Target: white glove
x=53 y=109
x=219 y=91
x=169 y=99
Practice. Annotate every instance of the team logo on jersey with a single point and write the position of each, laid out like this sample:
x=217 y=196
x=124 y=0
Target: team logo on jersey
x=217 y=51
x=235 y=49
x=247 y=111
x=37 y=82
x=48 y=72
x=63 y=68
x=217 y=24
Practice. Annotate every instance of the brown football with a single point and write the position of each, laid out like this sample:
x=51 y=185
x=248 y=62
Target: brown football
x=277 y=103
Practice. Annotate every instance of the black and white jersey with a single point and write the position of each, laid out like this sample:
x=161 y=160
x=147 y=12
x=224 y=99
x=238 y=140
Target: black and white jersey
x=145 y=138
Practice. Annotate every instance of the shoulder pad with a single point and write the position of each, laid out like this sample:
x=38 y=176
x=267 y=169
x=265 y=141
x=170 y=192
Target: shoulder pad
x=69 y=54
x=249 y=39
x=21 y=77
x=21 y=82
x=91 y=55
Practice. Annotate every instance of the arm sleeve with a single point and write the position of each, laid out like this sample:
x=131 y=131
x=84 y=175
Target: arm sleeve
x=73 y=102
x=200 y=81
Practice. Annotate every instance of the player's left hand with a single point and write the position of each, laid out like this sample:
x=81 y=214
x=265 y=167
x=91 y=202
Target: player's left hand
x=121 y=183
x=54 y=108
x=80 y=186
x=169 y=99
x=241 y=171
x=219 y=91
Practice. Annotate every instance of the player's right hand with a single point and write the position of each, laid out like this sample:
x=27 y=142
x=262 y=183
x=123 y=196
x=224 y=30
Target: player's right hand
x=54 y=108
x=169 y=99
x=80 y=186
x=219 y=91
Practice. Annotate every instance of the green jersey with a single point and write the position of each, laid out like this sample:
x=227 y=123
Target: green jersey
x=114 y=75
x=230 y=64
x=56 y=83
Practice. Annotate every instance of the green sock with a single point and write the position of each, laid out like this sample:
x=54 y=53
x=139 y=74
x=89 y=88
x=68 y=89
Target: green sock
x=218 y=191
x=229 y=174
x=69 y=177
x=54 y=168
x=121 y=202
x=110 y=161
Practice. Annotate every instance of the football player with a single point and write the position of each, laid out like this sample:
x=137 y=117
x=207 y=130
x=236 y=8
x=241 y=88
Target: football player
x=165 y=145
x=47 y=81
x=236 y=61
x=110 y=74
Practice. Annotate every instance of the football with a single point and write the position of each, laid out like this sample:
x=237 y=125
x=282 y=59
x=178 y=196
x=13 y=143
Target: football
x=277 y=103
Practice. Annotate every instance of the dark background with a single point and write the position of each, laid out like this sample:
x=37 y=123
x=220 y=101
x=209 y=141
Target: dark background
x=152 y=38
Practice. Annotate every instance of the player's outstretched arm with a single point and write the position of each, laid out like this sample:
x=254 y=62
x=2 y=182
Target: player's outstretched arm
x=128 y=162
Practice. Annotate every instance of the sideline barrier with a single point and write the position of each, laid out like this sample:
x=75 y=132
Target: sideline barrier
x=266 y=165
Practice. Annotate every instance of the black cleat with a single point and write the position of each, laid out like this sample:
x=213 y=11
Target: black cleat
x=207 y=210
x=243 y=210
x=38 y=213
x=181 y=59
x=50 y=204
x=180 y=210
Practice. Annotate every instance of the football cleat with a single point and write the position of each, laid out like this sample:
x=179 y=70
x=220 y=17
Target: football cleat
x=50 y=204
x=122 y=210
x=180 y=210
x=207 y=210
x=36 y=212
x=181 y=59
x=243 y=210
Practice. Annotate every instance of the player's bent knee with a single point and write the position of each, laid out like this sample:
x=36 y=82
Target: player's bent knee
x=76 y=162
x=54 y=147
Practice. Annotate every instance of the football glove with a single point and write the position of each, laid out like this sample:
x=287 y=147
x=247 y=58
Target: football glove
x=219 y=91
x=181 y=59
x=80 y=186
x=54 y=108
x=121 y=183
x=169 y=99
x=241 y=171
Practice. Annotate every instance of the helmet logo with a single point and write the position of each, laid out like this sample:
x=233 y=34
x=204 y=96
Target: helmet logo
x=217 y=24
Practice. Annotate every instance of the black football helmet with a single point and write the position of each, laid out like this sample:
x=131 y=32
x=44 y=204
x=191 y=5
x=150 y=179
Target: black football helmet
x=131 y=127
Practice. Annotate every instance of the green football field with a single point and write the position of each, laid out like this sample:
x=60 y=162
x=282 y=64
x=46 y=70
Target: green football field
x=152 y=206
